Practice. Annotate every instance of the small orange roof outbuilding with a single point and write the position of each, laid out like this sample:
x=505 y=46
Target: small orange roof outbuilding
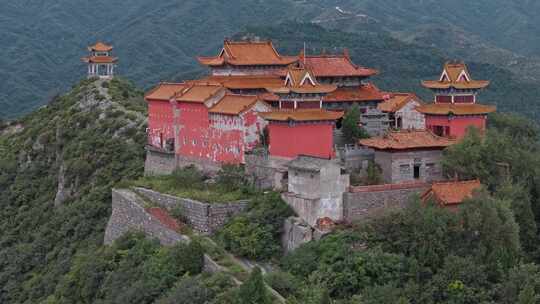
x=451 y=193
x=398 y=101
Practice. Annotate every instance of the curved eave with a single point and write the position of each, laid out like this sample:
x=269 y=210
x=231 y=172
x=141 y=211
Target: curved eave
x=301 y=116
x=303 y=90
x=211 y=61
x=101 y=60
x=474 y=85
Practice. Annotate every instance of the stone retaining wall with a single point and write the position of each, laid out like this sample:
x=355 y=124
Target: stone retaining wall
x=266 y=172
x=371 y=201
x=159 y=163
x=128 y=214
x=203 y=217
x=163 y=163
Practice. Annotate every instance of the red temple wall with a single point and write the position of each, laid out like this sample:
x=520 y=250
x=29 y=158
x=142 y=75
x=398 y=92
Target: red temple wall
x=458 y=124
x=160 y=122
x=218 y=138
x=313 y=139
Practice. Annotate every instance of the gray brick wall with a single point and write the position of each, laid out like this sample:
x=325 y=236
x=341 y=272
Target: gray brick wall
x=159 y=163
x=128 y=214
x=203 y=217
x=163 y=163
x=370 y=202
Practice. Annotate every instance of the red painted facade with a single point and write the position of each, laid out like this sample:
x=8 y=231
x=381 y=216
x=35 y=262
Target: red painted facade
x=297 y=138
x=160 y=122
x=217 y=138
x=454 y=126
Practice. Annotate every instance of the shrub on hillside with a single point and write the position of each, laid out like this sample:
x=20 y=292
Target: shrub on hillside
x=232 y=177
x=254 y=290
x=133 y=270
x=284 y=283
x=256 y=233
x=188 y=177
x=188 y=258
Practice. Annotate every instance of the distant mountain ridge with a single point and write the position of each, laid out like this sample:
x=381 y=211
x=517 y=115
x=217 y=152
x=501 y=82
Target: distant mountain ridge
x=159 y=40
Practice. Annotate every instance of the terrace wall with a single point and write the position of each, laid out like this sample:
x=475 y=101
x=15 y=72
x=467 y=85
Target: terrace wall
x=203 y=217
x=370 y=201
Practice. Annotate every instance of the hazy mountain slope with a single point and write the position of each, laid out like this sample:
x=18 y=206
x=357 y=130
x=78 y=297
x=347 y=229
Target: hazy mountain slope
x=154 y=39
x=511 y=25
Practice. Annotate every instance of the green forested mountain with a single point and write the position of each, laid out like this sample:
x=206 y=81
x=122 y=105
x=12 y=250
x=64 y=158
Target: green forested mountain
x=57 y=167
x=159 y=40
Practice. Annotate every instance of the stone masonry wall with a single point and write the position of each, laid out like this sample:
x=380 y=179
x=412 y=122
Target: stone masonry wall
x=159 y=163
x=203 y=217
x=164 y=163
x=128 y=214
x=266 y=172
x=372 y=201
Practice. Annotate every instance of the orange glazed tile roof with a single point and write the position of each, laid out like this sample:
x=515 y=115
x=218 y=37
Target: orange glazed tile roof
x=367 y=92
x=397 y=101
x=165 y=91
x=455 y=109
x=335 y=66
x=246 y=82
x=451 y=193
x=248 y=53
x=407 y=139
x=455 y=75
x=100 y=59
x=301 y=115
x=269 y=96
x=301 y=81
x=198 y=93
x=100 y=47
x=232 y=104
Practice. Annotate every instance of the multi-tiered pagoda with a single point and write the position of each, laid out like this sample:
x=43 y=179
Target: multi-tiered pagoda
x=455 y=108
